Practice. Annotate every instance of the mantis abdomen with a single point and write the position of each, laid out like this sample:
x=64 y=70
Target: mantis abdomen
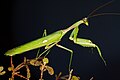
x=44 y=41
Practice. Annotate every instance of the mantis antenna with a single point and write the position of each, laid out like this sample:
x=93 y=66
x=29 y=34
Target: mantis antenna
x=101 y=14
x=99 y=8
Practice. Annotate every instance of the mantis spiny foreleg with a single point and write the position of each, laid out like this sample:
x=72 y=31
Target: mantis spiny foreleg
x=88 y=43
x=84 y=42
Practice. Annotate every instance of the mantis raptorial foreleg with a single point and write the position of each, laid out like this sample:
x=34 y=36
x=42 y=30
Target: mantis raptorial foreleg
x=84 y=42
x=74 y=33
x=88 y=43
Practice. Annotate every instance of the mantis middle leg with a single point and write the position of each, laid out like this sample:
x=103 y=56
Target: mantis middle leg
x=48 y=47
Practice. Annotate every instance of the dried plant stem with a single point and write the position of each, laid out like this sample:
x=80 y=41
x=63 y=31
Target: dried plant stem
x=42 y=70
x=15 y=71
x=70 y=74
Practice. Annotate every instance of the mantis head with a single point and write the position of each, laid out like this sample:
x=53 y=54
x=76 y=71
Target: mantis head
x=85 y=21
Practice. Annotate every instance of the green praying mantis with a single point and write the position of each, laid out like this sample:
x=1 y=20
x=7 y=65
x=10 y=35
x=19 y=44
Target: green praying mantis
x=52 y=39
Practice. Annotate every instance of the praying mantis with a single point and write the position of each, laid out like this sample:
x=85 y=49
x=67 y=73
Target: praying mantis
x=52 y=39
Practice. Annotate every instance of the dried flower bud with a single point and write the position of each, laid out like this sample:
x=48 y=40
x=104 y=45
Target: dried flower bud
x=45 y=61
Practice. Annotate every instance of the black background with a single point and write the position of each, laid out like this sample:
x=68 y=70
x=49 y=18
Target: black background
x=25 y=20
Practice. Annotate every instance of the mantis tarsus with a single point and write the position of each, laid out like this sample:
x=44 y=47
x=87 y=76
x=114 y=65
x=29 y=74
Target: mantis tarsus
x=53 y=39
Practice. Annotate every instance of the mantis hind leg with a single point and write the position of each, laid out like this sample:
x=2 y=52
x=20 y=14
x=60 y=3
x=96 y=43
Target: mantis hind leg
x=43 y=35
x=70 y=62
x=48 y=47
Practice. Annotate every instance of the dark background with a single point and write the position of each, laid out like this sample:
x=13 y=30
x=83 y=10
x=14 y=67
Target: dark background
x=25 y=20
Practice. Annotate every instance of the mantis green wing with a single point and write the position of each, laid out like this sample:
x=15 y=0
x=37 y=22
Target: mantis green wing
x=44 y=41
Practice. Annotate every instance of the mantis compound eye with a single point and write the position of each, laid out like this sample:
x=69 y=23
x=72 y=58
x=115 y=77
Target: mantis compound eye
x=85 y=21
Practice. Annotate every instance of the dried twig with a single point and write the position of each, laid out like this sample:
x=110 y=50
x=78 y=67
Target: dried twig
x=15 y=71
